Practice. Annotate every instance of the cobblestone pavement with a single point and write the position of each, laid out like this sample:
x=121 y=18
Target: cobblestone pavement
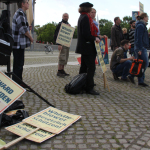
x=119 y=119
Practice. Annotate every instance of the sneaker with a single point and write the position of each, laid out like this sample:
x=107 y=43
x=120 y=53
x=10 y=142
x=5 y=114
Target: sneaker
x=131 y=79
x=60 y=74
x=143 y=84
x=92 y=92
x=115 y=76
x=66 y=74
x=126 y=80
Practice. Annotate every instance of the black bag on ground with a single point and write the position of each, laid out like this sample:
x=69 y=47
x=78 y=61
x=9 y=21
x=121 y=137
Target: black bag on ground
x=77 y=85
x=13 y=114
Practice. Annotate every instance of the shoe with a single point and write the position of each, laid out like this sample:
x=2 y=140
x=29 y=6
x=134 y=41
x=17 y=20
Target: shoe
x=131 y=79
x=92 y=92
x=94 y=84
x=126 y=80
x=115 y=76
x=66 y=74
x=143 y=84
x=60 y=74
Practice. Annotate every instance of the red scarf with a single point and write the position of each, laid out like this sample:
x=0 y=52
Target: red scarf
x=93 y=27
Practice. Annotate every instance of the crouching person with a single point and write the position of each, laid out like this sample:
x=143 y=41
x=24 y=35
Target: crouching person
x=120 y=65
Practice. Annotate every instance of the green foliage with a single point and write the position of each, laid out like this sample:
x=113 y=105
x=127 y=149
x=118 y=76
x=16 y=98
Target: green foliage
x=75 y=33
x=105 y=27
x=126 y=22
x=46 y=32
x=149 y=30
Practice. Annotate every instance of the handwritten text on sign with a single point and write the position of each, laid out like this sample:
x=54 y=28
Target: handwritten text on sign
x=52 y=120
x=9 y=92
x=22 y=129
x=100 y=58
x=65 y=35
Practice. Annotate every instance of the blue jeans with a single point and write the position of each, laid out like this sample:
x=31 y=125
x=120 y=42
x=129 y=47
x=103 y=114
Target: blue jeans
x=123 y=69
x=144 y=57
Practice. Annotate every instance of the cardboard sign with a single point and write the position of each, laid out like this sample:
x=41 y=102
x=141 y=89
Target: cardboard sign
x=65 y=35
x=22 y=129
x=52 y=120
x=100 y=58
x=104 y=49
x=9 y=92
x=141 y=7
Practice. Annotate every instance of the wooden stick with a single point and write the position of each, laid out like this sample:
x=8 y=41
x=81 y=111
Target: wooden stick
x=18 y=140
x=104 y=77
x=107 y=83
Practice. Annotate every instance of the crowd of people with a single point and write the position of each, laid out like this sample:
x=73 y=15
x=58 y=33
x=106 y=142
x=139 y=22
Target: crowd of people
x=88 y=33
x=138 y=41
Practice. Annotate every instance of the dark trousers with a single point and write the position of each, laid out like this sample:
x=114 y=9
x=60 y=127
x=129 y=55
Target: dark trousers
x=88 y=66
x=18 y=63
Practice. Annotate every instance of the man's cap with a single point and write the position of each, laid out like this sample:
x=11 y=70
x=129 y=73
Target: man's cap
x=132 y=21
x=86 y=4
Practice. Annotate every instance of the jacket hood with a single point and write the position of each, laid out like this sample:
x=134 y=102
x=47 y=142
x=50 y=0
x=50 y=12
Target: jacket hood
x=140 y=22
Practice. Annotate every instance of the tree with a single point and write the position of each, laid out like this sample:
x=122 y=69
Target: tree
x=105 y=27
x=126 y=22
x=75 y=33
x=46 y=32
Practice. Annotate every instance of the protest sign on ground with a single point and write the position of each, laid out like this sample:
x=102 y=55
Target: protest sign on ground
x=100 y=58
x=22 y=129
x=65 y=35
x=9 y=92
x=52 y=120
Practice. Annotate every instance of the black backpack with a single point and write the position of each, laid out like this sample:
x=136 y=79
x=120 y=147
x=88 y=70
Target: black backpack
x=77 y=85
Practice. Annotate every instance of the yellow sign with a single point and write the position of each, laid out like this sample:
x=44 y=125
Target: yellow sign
x=65 y=35
x=22 y=129
x=141 y=7
x=100 y=58
x=52 y=120
x=9 y=92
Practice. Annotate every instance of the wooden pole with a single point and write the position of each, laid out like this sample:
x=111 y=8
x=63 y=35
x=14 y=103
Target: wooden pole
x=18 y=140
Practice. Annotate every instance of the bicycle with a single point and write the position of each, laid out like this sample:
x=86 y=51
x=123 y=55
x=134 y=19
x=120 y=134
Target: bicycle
x=48 y=49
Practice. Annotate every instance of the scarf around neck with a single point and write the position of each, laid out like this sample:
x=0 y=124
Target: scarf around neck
x=93 y=28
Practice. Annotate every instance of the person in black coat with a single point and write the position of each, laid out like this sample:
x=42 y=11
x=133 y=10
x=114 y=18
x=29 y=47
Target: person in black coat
x=87 y=35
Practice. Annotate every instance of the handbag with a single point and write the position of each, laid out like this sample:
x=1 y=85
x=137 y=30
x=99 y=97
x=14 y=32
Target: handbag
x=137 y=67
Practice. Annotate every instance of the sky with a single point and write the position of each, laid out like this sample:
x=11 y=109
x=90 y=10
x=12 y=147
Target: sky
x=51 y=10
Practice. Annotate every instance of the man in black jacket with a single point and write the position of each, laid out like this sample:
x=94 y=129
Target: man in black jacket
x=63 y=50
x=116 y=34
x=86 y=46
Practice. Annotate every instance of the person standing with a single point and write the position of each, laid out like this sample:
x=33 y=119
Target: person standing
x=131 y=36
x=87 y=35
x=63 y=50
x=116 y=34
x=141 y=43
x=22 y=39
x=93 y=14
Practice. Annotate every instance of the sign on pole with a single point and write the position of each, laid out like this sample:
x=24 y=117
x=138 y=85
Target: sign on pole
x=102 y=64
x=100 y=58
x=134 y=15
x=52 y=120
x=65 y=35
x=9 y=92
x=22 y=129
x=141 y=7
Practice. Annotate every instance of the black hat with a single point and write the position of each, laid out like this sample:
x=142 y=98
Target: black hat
x=132 y=21
x=86 y=4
